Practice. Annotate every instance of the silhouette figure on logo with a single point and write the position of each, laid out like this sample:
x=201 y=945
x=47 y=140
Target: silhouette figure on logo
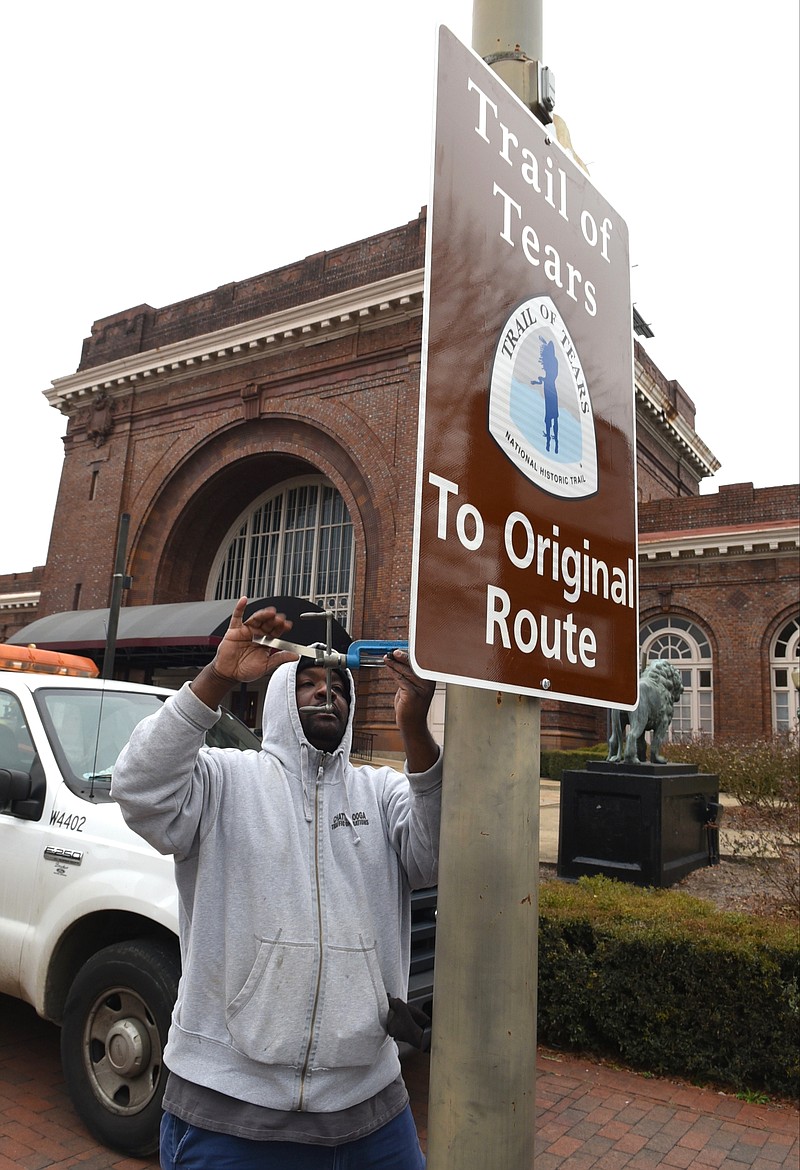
x=549 y=361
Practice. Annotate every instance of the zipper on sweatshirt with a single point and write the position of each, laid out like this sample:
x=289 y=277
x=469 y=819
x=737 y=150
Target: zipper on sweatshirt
x=318 y=895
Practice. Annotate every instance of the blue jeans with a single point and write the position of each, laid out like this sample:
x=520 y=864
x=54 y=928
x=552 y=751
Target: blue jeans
x=394 y=1146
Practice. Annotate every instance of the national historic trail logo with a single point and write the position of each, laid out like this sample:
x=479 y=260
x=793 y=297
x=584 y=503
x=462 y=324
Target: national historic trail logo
x=540 y=412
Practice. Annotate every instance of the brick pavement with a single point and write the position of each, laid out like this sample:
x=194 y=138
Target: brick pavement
x=589 y=1116
x=593 y=1117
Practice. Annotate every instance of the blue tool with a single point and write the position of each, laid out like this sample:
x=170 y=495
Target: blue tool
x=365 y=652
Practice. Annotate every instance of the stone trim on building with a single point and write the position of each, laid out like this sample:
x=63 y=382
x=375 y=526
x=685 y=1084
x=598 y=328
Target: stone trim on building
x=371 y=307
x=781 y=537
x=19 y=600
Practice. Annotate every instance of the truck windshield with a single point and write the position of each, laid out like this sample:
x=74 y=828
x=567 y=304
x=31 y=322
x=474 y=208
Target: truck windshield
x=88 y=729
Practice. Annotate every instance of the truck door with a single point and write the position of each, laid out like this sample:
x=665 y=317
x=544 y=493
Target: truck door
x=20 y=841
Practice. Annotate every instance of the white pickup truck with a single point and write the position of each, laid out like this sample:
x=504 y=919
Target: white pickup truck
x=88 y=910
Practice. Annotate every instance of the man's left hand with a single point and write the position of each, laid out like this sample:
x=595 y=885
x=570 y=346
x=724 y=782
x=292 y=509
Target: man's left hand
x=411 y=705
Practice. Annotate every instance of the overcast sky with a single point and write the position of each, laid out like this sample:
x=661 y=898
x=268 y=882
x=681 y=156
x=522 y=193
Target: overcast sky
x=158 y=150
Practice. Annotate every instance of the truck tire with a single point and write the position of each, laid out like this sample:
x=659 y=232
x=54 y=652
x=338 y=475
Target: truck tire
x=113 y=1034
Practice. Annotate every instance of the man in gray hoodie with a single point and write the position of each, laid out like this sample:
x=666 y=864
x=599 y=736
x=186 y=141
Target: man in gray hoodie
x=294 y=870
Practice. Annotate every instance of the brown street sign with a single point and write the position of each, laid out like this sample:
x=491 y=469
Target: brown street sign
x=525 y=565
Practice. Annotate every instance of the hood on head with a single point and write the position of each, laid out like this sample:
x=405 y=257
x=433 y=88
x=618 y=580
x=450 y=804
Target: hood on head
x=282 y=730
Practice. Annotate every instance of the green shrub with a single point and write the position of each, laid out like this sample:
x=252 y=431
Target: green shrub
x=555 y=763
x=668 y=983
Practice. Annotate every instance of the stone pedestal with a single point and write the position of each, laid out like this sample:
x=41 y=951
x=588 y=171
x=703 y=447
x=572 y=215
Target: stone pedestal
x=640 y=823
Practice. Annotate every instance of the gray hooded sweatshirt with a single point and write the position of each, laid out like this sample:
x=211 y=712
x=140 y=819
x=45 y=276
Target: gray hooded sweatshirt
x=294 y=871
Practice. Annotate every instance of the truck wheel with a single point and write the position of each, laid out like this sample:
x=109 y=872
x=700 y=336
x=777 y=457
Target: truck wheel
x=112 y=1039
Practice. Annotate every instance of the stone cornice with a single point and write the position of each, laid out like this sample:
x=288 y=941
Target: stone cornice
x=668 y=423
x=19 y=600
x=781 y=537
x=370 y=306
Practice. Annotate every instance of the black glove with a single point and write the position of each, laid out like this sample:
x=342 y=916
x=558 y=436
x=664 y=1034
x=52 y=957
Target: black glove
x=409 y=1024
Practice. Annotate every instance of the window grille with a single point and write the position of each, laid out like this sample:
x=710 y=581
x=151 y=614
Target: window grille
x=688 y=648
x=785 y=676
x=296 y=540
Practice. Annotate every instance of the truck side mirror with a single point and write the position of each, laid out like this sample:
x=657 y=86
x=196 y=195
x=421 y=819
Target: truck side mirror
x=14 y=785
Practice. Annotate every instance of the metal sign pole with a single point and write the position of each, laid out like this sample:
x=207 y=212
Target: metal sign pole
x=483 y=1060
x=524 y=581
x=503 y=26
x=481 y=1108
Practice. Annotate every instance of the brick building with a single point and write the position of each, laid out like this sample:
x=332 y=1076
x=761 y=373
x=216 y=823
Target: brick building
x=718 y=592
x=19 y=600
x=262 y=439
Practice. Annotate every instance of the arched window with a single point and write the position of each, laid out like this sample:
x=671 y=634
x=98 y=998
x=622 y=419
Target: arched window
x=296 y=540
x=784 y=663
x=687 y=647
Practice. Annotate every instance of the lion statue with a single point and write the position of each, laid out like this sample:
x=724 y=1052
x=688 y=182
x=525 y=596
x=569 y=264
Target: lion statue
x=660 y=687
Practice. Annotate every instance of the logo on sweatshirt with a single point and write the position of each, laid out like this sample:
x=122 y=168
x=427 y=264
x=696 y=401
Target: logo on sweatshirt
x=340 y=821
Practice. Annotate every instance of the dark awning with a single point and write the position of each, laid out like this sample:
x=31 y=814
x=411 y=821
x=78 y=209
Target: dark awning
x=188 y=623
x=194 y=623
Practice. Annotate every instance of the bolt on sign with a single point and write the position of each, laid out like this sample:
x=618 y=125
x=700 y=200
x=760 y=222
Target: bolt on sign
x=525 y=565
